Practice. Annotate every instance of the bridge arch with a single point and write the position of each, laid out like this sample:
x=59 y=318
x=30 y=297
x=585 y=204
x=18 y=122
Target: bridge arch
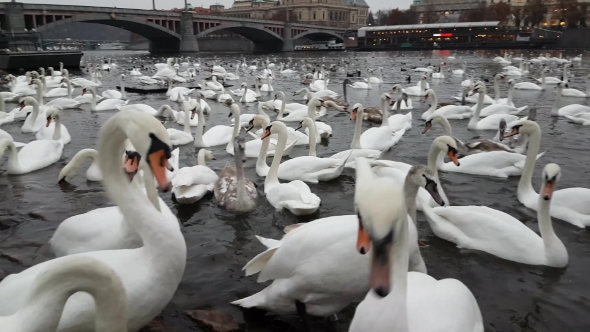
x=317 y=35
x=263 y=39
x=159 y=36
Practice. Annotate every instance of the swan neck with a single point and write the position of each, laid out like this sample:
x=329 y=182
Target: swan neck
x=554 y=110
x=356 y=139
x=446 y=126
x=199 y=133
x=475 y=118
x=240 y=181
x=399 y=267
x=410 y=193
x=282 y=111
x=12 y=154
x=434 y=102
x=201 y=158
x=150 y=188
x=123 y=93
x=187 y=120
x=272 y=177
x=57 y=130
x=435 y=157
x=525 y=186
x=313 y=131
x=385 y=114
x=261 y=161
x=311 y=111
x=496 y=90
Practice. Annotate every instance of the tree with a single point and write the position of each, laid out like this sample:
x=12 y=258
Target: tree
x=370 y=18
x=534 y=12
x=499 y=11
x=583 y=14
x=282 y=15
x=398 y=17
x=474 y=15
x=430 y=15
x=517 y=16
x=569 y=12
x=381 y=17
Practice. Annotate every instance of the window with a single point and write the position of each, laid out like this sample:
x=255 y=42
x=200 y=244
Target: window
x=314 y=15
x=324 y=15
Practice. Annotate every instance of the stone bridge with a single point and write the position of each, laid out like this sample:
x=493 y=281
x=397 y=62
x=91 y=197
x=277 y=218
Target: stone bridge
x=167 y=31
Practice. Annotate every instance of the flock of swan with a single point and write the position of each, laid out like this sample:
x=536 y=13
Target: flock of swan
x=116 y=268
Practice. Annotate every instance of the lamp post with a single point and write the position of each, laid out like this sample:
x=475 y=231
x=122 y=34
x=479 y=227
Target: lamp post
x=154 y=4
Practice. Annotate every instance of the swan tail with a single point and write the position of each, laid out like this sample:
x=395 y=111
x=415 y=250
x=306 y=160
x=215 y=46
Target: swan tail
x=269 y=243
x=520 y=109
x=19 y=144
x=256 y=300
x=293 y=227
x=258 y=263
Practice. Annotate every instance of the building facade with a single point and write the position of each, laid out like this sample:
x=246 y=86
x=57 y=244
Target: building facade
x=448 y=11
x=337 y=13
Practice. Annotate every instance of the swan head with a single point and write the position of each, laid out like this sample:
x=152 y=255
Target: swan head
x=499 y=77
x=526 y=127
x=131 y=163
x=429 y=93
x=448 y=145
x=381 y=212
x=560 y=86
x=274 y=127
x=479 y=87
x=432 y=120
x=551 y=175
x=396 y=88
x=52 y=113
x=357 y=110
x=257 y=121
x=315 y=102
x=240 y=148
x=234 y=109
x=386 y=97
x=279 y=94
x=511 y=82
x=26 y=101
x=422 y=176
x=88 y=89
x=207 y=154
x=307 y=122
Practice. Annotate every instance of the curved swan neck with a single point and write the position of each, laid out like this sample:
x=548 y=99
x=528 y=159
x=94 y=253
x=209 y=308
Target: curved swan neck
x=93 y=104
x=77 y=160
x=410 y=193
x=446 y=125
x=434 y=155
x=554 y=110
x=434 y=102
x=236 y=132
x=525 y=186
x=261 y=161
x=187 y=120
x=199 y=133
x=57 y=130
x=52 y=289
x=69 y=85
x=475 y=118
x=311 y=111
x=272 y=177
x=283 y=102
x=385 y=113
x=201 y=157
x=313 y=131
x=358 y=127
x=13 y=155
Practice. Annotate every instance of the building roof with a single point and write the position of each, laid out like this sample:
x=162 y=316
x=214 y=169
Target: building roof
x=432 y=26
x=360 y=3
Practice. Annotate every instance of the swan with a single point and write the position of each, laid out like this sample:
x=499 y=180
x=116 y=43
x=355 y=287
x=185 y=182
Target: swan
x=143 y=108
x=570 y=204
x=165 y=72
x=471 y=147
x=63 y=103
x=377 y=138
x=533 y=86
x=248 y=96
x=233 y=190
x=294 y=137
x=577 y=93
x=114 y=94
x=267 y=86
x=213 y=84
x=106 y=228
x=438 y=74
x=581 y=118
x=460 y=72
x=508 y=101
x=192 y=183
x=320 y=250
x=398 y=299
x=36 y=119
x=324 y=130
x=407 y=102
x=223 y=97
x=92 y=173
x=377 y=80
x=218 y=135
x=57 y=92
x=571 y=109
x=449 y=111
x=105 y=105
x=81 y=82
x=492 y=121
x=418 y=90
x=500 y=234
x=555 y=80
x=310 y=168
x=361 y=85
x=32 y=156
x=150 y=274
x=294 y=196
x=375 y=114
x=147 y=80
x=50 y=291
x=48 y=131
x=182 y=137
x=176 y=93
x=246 y=118
x=494 y=109
x=135 y=72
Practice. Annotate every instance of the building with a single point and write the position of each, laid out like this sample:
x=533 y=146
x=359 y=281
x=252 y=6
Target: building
x=447 y=11
x=337 y=13
x=552 y=18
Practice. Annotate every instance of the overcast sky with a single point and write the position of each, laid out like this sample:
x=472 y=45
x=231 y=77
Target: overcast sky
x=167 y=4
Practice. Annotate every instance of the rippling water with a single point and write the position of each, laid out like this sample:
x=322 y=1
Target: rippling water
x=512 y=297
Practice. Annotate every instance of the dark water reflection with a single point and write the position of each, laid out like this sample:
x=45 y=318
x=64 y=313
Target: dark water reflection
x=512 y=297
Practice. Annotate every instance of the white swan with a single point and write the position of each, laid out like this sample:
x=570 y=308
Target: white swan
x=32 y=156
x=294 y=196
x=377 y=138
x=233 y=190
x=321 y=250
x=115 y=94
x=182 y=137
x=494 y=109
x=67 y=102
x=418 y=90
x=361 y=85
x=192 y=183
x=568 y=92
x=267 y=86
x=492 y=121
x=166 y=71
x=533 y=86
x=500 y=234
x=449 y=111
x=324 y=130
x=571 y=109
x=92 y=173
x=217 y=135
x=581 y=118
x=49 y=131
x=54 y=285
x=150 y=274
x=143 y=108
x=570 y=204
x=398 y=299
x=105 y=105
x=461 y=72
x=36 y=119
x=135 y=72
x=555 y=80
x=377 y=80
x=508 y=100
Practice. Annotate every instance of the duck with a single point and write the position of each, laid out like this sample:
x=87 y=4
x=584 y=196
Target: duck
x=570 y=204
x=571 y=109
x=191 y=184
x=56 y=284
x=398 y=299
x=92 y=173
x=49 y=131
x=217 y=135
x=502 y=235
x=106 y=104
x=294 y=196
x=449 y=111
x=377 y=138
x=115 y=94
x=163 y=254
x=233 y=190
x=320 y=250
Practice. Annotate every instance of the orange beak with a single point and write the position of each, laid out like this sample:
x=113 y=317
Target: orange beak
x=547 y=191
x=453 y=158
x=158 y=164
x=353 y=114
x=363 y=241
x=48 y=121
x=266 y=134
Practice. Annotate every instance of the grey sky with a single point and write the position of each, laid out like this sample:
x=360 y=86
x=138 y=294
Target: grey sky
x=167 y=4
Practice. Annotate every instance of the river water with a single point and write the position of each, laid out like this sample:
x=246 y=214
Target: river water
x=512 y=297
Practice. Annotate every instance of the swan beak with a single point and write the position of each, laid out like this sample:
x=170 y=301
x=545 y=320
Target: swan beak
x=513 y=132
x=22 y=105
x=48 y=121
x=193 y=112
x=380 y=280
x=452 y=155
x=250 y=127
x=548 y=188
x=427 y=127
x=299 y=126
x=159 y=163
x=266 y=133
x=353 y=114
x=432 y=189
x=363 y=241
x=230 y=115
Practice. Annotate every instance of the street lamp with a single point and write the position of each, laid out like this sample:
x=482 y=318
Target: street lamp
x=154 y=4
